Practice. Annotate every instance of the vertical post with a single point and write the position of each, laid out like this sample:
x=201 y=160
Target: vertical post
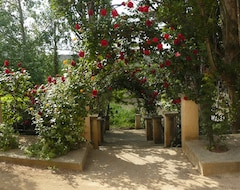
x=189 y=120
x=87 y=130
x=157 y=130
x=149 y=128
x=169 y=125
x=137 y=121
x=94 y=131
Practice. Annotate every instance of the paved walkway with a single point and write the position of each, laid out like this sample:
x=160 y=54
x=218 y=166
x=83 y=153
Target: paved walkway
x=125 y=161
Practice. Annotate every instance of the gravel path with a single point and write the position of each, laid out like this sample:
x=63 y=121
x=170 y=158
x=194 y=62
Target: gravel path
x=125 y=161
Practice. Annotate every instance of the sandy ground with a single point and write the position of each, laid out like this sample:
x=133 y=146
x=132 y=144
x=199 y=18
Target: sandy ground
x=125 y=161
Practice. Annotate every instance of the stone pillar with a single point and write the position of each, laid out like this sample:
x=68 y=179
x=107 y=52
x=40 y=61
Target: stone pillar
x=87 y=130
x=149 y=128
x=169 y=127
x=189 y=120
x=94 y=131
x=157 y=129
x=137 y=121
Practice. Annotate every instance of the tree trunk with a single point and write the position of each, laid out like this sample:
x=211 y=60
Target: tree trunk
x=231 y=43
x=55 y=54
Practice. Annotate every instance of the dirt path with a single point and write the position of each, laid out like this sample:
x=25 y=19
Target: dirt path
x=125 y=161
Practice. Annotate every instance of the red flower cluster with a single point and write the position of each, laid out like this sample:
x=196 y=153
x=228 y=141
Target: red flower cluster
x=81 y=54
x=114 y=13
x=176 y=101
x=77 y=26
x=130 y=4
x=6 y=63
x=94 y=93
x=180 y=39
x=143 y=9
x=103 y=12
x=104 y=43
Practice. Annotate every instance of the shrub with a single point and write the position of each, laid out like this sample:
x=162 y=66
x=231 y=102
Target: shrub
x=58 y=113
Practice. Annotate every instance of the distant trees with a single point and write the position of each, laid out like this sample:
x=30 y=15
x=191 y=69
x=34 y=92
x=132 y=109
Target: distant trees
x=30 y=35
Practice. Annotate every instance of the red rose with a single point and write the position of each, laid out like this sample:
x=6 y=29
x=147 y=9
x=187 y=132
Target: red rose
x=185 y=98
x=104 y=43
x=6 y=63
x=161 y=65
x=115 y=26
x=49 y=79
x=155 y=94
x=73 y=63
x=114 y=13
x=77 y=26
x=7 y=71
x=166 y=36
x=149 y=23
x=81 y=54
x=160 y=46
x=63 y=79
x=155 y=40
x=90 y=12
x=168 y=63
x=19 y=64
x=94 y=93
x=146 y=52
x=103 y=12
x=130 y=4
x=99 y=65
x=165 y=84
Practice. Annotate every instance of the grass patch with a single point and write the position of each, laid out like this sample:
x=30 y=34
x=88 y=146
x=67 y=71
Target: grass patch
x=122 y=116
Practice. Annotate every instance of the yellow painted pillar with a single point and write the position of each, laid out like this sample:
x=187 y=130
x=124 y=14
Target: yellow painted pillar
x=189 y=120
x=137 y=121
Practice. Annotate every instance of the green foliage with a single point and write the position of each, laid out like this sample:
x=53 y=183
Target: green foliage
x=8 y=137
x=58 y=113
x=122 y=116
x=14 y=86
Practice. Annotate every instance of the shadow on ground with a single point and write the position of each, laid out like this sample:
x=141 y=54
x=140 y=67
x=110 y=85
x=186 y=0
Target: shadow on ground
x=127 y=161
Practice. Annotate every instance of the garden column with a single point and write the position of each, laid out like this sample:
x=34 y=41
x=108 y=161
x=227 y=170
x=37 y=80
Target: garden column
x=94 y=130
x=157 y=129
x=137 y=121
x=189 y=120
x=169 y=127
x=87 y=130
x=149 y=128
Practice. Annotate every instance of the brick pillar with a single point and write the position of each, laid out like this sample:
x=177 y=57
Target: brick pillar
x=189 y=120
